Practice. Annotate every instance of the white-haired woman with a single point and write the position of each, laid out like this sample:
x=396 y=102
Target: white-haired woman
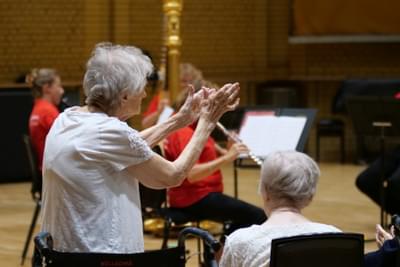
x=93 y=160
x=287 y=184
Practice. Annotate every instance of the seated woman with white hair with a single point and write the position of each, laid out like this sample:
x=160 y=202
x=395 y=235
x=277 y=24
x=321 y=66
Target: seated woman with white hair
x=287 y=185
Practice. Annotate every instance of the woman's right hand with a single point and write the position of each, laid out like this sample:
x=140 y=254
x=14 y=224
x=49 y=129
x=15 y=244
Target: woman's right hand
x=217 y=102
x=190 y=110
x=381 y=235
x=235 y=150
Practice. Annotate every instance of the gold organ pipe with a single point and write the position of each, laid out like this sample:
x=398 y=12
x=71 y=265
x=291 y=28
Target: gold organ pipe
x=172 y=11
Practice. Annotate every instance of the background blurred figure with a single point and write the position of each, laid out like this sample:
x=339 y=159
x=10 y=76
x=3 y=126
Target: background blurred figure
x=370 y=181
x=47 y=92
x=388 y=248
x=287 y=185
x=189 y=74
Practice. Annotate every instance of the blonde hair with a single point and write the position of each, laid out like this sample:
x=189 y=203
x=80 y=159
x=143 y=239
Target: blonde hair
x=194 y=75
x=210 y=84
x=37 y=78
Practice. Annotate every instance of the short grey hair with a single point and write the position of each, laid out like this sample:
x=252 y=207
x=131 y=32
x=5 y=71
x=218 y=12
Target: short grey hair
x=114 y=69
x=289 y=177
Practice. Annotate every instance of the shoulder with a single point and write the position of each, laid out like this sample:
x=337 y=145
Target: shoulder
x=244 y=236
x=323 y=228
x=45 y=107
x=112 y=128
x=246 y=247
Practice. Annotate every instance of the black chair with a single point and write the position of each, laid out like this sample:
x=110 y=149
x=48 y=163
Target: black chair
x=327 y=250
x=154 y=206
x=331 y=128
x=36 y=191
x=159 y=218
x=171 y=257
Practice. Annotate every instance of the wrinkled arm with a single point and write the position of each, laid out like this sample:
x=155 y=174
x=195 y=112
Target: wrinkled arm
x=158 y=172
x=186 y=115
x=156 y=133
x=150 y=119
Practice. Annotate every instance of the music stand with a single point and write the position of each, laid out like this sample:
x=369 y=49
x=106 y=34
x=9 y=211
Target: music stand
x=307 y=114
x=376 y=117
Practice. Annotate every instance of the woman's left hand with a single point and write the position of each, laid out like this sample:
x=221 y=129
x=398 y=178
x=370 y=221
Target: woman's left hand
x=190 y=110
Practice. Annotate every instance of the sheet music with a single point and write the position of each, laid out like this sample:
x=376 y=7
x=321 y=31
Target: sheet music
x=264 y=134
x=165 y=114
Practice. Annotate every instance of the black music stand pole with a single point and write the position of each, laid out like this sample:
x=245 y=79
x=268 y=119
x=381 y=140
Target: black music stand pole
x=383 y=184
x=236 y=164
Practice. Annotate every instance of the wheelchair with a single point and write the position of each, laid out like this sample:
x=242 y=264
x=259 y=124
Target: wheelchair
x=45 y=256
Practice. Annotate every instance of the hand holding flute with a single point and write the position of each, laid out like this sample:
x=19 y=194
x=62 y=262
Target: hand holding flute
x=236 y=139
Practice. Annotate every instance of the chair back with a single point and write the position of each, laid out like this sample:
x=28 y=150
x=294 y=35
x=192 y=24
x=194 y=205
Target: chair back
x=44 y=253
x=33 y=167
x=170 y=257
x=328 y=250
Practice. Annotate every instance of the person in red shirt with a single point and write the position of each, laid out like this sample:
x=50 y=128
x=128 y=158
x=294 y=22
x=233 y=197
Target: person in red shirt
x=201 y=193
x=47 y=91
x=189 y=75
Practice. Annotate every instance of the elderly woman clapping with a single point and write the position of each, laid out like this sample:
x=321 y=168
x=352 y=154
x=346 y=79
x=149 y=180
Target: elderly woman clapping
x=93 y=160
x=287 y=185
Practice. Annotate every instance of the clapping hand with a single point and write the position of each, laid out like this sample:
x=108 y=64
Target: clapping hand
x=217 y=102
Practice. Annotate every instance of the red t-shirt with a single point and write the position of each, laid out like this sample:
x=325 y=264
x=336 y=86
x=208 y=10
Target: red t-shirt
x=153 y=105
x=189 y=193
x=42 y=117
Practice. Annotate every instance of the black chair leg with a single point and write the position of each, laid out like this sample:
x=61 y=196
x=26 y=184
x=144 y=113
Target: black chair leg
x=317 y=147
x=30 y=232
x=342 y=148
x=166 y=232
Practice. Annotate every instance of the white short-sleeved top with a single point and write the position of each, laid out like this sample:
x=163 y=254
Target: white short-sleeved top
x=251 y=247
x=90 y=202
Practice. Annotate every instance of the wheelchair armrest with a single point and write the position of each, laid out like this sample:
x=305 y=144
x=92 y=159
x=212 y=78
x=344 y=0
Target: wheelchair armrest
x=43 y=242
x=204 y=235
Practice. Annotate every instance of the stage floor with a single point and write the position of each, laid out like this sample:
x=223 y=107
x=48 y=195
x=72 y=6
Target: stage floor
x=337 y=202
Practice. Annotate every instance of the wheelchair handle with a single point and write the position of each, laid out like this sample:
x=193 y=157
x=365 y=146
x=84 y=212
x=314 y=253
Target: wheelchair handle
x=44 y=242
x=204 y=235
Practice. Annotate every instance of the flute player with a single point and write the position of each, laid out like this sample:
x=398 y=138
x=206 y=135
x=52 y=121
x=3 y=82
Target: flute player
x=201 y=193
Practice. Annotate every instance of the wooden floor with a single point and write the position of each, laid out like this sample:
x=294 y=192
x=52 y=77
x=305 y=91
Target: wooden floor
x=337 y=202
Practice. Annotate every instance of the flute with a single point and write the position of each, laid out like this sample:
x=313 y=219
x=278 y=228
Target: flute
x=235 y=138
